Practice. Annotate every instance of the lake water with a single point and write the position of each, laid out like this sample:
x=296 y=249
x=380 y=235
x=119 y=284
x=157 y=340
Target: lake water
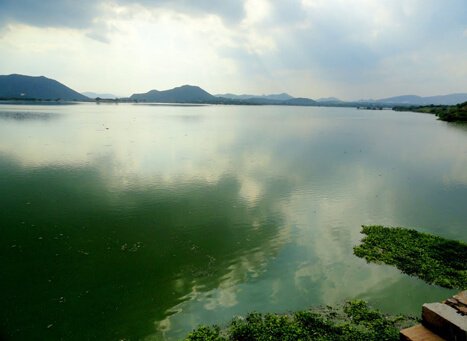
x=140 y=222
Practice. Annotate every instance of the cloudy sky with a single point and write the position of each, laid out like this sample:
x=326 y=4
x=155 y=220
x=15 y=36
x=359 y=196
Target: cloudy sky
x=351 y=49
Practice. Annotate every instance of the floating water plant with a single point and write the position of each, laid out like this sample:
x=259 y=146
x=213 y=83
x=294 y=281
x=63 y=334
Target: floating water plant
x=434 y=259
x=352 y=321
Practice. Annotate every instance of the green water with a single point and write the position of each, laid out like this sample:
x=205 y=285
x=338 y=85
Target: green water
x=140 y=222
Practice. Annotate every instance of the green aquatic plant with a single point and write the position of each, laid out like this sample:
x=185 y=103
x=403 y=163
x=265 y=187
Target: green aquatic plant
x=354 y=320
x=434 y=259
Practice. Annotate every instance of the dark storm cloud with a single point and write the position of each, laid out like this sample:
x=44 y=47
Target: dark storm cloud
x=80 y=14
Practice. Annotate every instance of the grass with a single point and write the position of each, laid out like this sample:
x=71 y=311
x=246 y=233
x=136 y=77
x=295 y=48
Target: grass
x=434 y=259
x=353 y=321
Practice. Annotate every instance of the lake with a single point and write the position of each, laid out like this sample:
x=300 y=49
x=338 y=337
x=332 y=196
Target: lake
x=130 y=221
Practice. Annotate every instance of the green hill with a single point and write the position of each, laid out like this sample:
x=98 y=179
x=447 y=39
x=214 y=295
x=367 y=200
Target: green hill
x=38 y=88
x=181 y=94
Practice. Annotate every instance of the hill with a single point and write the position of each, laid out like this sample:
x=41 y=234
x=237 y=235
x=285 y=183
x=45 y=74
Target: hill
x=450 y=99
x=182 y=94
x=94 y=95
x=275 y=97
x=299 y=101
x=39 y=88
x=329 y=100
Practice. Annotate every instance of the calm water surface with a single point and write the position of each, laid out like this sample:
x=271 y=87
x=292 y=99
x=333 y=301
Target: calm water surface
x=140 y=222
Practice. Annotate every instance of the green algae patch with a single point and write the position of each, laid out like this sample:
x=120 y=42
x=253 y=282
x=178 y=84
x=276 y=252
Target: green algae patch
x=433 y=259
x=354 y=320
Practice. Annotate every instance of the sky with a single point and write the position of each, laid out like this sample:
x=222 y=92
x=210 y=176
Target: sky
x=350 y=49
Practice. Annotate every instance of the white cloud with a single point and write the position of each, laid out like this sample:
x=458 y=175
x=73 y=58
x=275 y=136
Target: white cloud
x=313 y=48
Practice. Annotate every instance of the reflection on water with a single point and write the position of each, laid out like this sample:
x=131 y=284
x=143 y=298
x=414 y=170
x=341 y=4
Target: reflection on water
x=135 y=221
x=22 y=116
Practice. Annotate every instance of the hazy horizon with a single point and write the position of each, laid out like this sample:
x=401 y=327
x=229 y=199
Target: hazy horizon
x=310 y=48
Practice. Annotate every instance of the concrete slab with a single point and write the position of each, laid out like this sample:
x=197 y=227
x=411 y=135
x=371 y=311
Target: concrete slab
x=461 y=297
x=445 y=321
x=419 y=333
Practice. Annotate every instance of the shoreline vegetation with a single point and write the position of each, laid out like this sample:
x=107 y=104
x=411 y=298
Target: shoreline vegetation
x=354 y=320
x=448 y=113
x=435 y=260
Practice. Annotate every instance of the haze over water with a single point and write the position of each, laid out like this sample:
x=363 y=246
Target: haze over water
x=139 y=221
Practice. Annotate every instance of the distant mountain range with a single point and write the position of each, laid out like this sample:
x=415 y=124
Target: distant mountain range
x=450 y=99
x=42 y=88
x=21 y=87
x=194 y=94
x=95 y=95
x=329 y=100
x=275 y=97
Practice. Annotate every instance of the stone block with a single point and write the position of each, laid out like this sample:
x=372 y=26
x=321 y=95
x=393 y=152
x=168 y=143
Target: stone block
x=418 y=333
x=461 y=297
x=445 y=321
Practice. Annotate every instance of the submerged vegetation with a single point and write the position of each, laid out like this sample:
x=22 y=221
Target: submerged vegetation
x=449 y=113
x=352 y=321
x=434 y=259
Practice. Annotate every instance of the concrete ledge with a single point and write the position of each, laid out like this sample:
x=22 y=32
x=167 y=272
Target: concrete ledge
x=419 y=333
x=461 y=298
x=458 y=302
x=445 y=321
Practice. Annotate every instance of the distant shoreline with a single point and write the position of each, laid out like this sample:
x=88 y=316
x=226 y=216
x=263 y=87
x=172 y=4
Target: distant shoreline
x=222 y=101
x=448 y=113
